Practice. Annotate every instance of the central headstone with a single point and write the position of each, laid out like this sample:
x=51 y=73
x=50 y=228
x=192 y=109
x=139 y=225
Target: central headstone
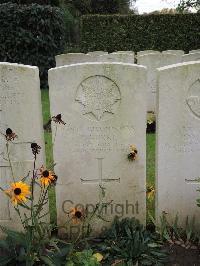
x=104 y=107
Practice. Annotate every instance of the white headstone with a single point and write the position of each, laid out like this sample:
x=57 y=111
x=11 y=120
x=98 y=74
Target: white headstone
x=191 y=57
x=72 y=58
x=177 y=52
x=104 y=106
x=194 y=51
x=147 y=52
x=152 y=62
x=20 y=110
x=97 y=53
x=117 y=57
x=125 y=52
x=178 y=141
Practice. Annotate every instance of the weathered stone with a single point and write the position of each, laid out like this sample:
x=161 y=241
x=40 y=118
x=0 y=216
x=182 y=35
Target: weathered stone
x=147 y=52
x=178 y=141
x=104 y=107
x=117 y=57
x=177 y=52
x=97 y=53
x=72 y=58
x=191 y=57
x=195 y=51
x=152 y=62
x=20 y=110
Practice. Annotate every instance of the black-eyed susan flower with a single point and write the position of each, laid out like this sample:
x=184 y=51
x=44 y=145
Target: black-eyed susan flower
x=133 y=154
x=58 y=119
x=77 y=215
x=10 y=135
x=150 y=192
x=47 y=177
x=18 y=192
x=35 y=148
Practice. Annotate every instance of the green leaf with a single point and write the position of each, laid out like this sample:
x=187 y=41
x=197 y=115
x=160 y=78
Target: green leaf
x=5 y=260
x=47 y=260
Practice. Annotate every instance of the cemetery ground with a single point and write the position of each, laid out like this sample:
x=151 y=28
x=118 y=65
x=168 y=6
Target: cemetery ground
x=179 y=255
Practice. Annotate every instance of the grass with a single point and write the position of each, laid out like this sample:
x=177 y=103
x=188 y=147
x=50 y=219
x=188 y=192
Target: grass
x=48 y=151
x=49 y=158
x=151 y=171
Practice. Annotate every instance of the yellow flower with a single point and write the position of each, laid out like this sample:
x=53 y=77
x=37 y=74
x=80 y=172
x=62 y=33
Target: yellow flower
x=47 y=177
x=98 y=256
x=77 y=215
x=18 y=192
x=150 y=192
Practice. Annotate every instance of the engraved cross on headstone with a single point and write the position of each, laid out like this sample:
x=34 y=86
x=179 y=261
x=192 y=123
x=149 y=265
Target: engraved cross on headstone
x=100 y=180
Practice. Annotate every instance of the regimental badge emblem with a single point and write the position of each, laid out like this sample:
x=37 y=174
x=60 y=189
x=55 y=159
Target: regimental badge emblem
x=99 y=96
x=193 y=100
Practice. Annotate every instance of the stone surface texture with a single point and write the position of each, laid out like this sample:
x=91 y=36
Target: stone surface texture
x=178 y=141
x=104 y=107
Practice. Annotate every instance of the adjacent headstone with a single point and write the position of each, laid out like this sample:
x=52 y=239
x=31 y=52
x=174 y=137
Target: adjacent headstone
x=97 y=53
x=72 y=58
x=191 y=57
x=117 y=57
x=104 y=107
x=178 y=141
x=195 y=51
x=177 y=52
x=126 y=52
x=20 y=110
x=152 y=62
x=147 y=52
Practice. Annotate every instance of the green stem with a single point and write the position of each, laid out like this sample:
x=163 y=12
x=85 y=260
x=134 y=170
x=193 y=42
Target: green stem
x=10 y=164
x=32 y=191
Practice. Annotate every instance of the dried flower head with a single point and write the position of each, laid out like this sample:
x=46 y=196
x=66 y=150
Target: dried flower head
x=77 y=215
x=18 y=192
x=150 y=192
x=58 y=119
x=35 y=148
x=133 y=154
x=47 y=177
x=10 y=135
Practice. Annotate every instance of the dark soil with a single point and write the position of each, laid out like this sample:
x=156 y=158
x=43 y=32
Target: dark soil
x=180 y=256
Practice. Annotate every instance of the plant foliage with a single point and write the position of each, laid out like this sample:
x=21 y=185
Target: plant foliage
x=129 y=242
x=31 y=35
x=136 y=32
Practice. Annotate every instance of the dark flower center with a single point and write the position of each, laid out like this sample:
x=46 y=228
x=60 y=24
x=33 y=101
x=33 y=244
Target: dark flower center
x=45 y=173
x=9 y=131
x=58 y=116
x=33 y=145
x=17 y=191
x=78 y=214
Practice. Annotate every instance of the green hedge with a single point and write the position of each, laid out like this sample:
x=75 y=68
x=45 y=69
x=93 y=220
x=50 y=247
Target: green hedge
x=28 y=2
x=32 y=35
x=140 y=32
